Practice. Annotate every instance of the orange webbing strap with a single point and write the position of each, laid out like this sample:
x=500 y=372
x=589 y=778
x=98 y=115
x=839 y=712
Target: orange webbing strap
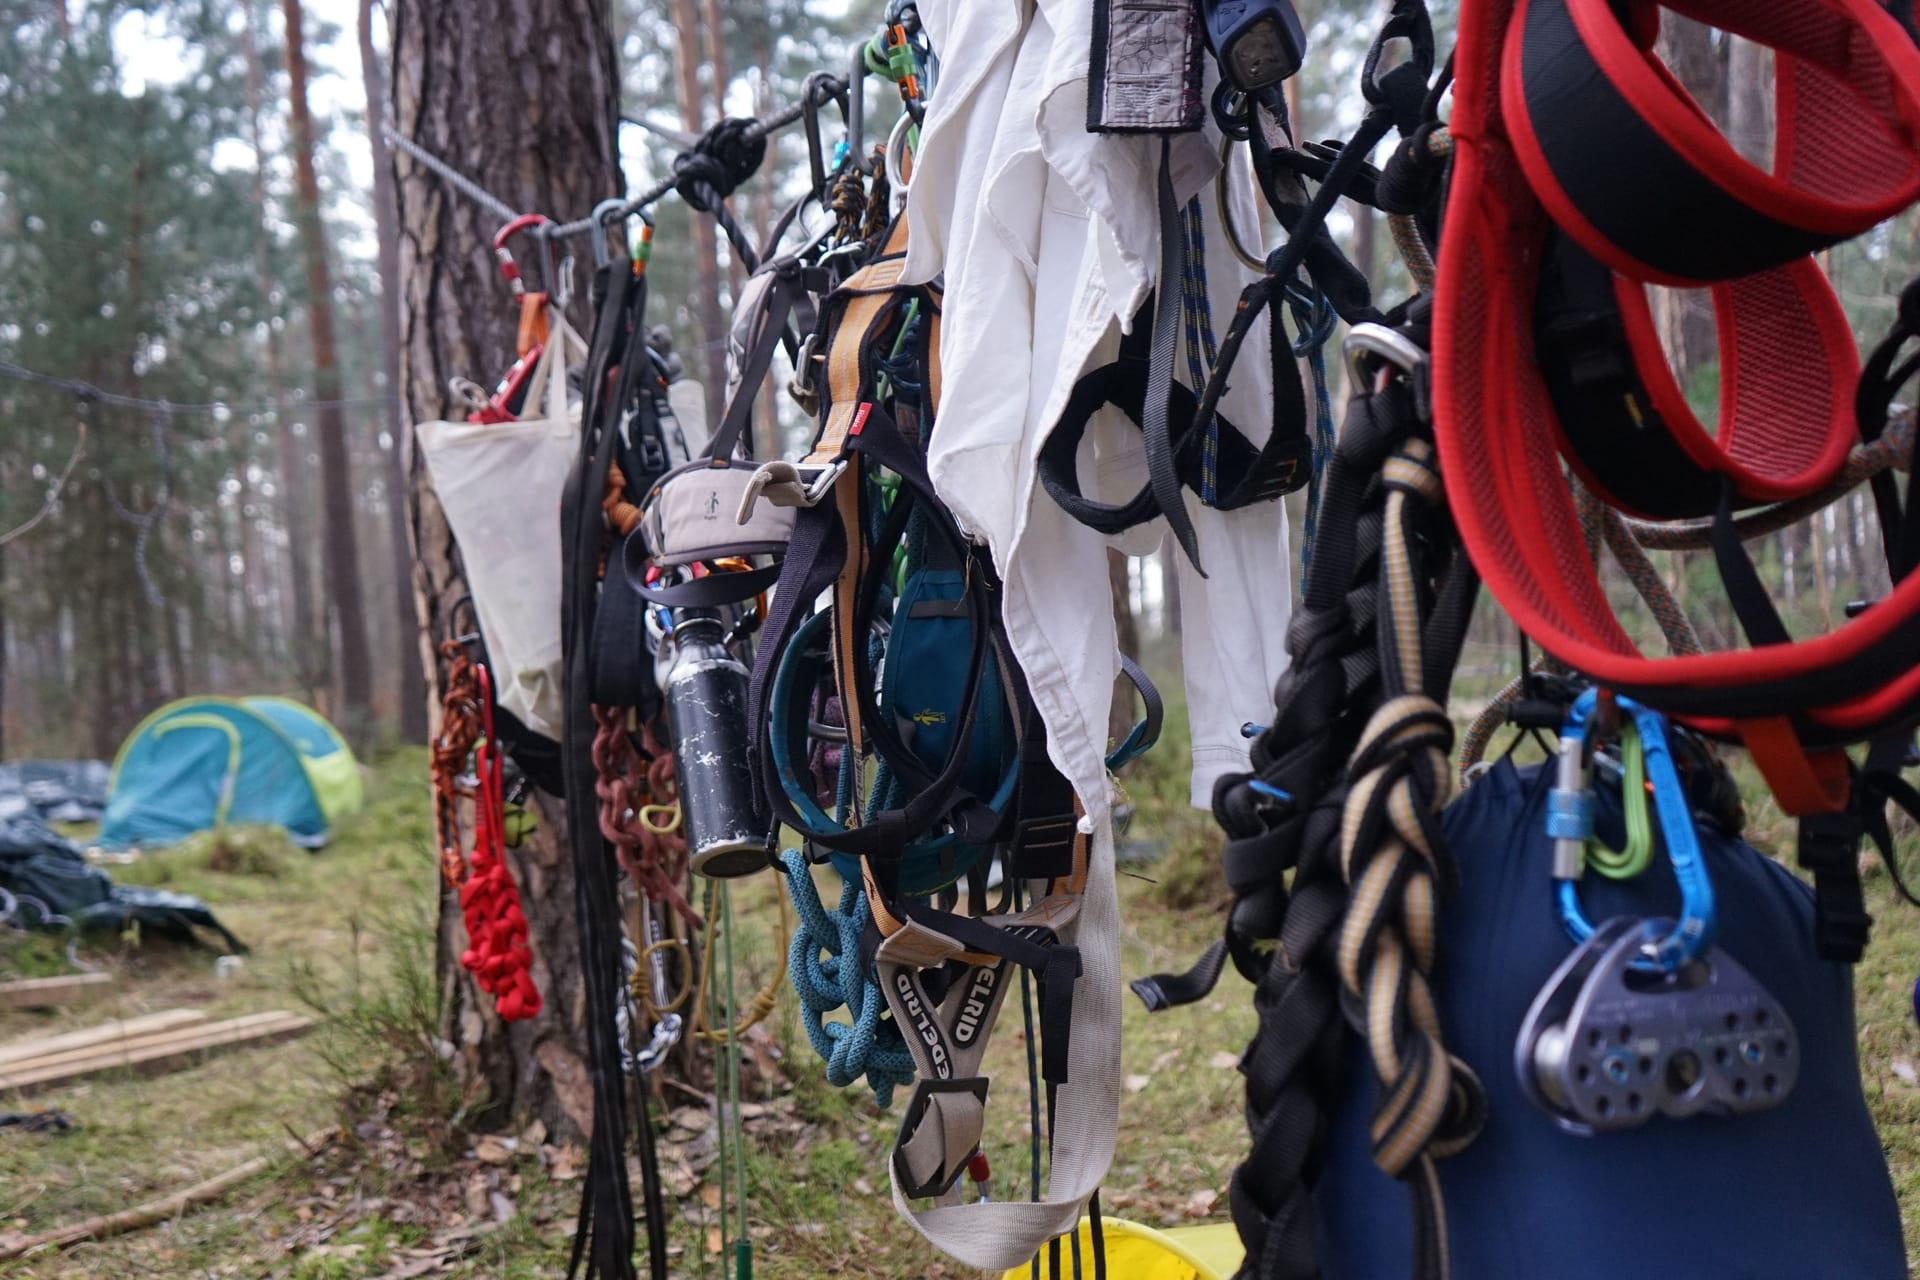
x=535 y=325
x=850 y=369
x=1804 y=782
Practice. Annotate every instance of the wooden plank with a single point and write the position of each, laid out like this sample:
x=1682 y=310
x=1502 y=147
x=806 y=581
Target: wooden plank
x=140 y=1042
x=51 y=993
x=119 y=1029
x=159 y=1056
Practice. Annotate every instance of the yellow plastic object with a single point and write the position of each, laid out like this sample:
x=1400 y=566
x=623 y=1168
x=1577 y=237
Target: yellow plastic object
x=1134 y=1252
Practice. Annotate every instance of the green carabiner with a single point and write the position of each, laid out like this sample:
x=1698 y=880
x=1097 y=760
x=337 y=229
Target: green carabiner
x=1637 y=856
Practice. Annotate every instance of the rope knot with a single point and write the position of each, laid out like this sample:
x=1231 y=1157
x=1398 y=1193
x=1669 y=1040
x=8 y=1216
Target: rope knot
x=726 y=156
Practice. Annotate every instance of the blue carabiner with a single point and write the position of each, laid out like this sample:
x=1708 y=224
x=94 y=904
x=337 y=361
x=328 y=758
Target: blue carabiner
x=1695 y=930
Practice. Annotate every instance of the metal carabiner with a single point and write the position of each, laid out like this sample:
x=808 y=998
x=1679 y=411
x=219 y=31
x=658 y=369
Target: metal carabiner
x=602 y=216
x=509 y=269
x=822 y=87
x=1368 y=346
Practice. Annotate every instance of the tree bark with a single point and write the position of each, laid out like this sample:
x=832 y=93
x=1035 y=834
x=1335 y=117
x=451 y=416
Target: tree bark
x=520 y=94
x=354 y=670
x=413 y=657
x=706 y=251
x=303 y=639
x=1688 y=48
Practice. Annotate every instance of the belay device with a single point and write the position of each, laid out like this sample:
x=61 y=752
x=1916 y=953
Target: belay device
x=1646 y=1015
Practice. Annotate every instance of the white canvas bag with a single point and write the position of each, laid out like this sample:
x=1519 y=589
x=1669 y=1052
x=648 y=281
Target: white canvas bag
x=500 y=485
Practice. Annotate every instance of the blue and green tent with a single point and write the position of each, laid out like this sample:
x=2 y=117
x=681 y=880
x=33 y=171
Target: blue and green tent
x=201 y=763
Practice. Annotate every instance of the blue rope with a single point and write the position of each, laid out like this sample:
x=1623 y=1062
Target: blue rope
x=1315 y=318
x=824 y=966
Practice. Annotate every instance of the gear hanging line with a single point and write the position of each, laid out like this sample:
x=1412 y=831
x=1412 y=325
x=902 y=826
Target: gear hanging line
x=146 y=521
x=86 y=391
x=54 y=490
x=725 y=156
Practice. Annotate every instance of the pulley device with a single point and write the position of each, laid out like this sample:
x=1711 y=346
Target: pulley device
x=1646 y=1016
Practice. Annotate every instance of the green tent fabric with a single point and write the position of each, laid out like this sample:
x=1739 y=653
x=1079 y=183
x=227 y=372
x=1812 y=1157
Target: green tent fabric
x=205 y=762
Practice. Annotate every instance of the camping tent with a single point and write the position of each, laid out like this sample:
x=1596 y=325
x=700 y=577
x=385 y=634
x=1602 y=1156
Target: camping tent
x=205 y=762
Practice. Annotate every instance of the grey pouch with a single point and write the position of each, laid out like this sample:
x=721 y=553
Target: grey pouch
x=693 y=513
x=1145 y=75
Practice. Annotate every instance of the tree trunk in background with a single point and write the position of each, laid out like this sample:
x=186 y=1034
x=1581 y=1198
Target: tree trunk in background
x=459 y=71
x=712 y=366
x=1687 y=316
x=355 y=667
x=304 y=641
x=411 y=658
x=1127 y=636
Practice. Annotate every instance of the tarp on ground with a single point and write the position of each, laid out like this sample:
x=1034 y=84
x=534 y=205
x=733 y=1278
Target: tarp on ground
x=60 y=790
x=47 y=883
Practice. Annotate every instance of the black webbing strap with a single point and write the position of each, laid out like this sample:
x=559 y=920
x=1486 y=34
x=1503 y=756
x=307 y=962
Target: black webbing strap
x=1162 y=478
x=793 y=282
x=622 y=667
x=603 y=1239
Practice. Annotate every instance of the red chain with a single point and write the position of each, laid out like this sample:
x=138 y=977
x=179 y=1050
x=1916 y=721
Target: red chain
x=460 y=715
x=629 y=788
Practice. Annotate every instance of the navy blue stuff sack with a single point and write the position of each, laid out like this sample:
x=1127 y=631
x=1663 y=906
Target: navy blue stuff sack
x=1796 y=1193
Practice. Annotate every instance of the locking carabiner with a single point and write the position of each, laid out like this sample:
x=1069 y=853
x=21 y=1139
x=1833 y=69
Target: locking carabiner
x=1570 y=822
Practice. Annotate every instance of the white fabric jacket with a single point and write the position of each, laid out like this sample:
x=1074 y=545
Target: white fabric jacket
x=1049 y=239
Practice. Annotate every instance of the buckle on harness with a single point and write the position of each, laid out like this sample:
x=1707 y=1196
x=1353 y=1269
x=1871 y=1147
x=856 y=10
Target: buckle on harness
x=789 y=484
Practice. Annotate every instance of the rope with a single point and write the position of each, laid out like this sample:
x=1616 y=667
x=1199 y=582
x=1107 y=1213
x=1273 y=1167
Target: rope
x=452 y=747
x=1348 y=782
x=146 y=521
x=824 y=965
x=213 y=408
x=1392 y=853
x=763 y=1000
x=451 y=176
x=54 y=490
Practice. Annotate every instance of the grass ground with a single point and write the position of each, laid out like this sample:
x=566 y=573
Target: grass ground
x=400 y=1194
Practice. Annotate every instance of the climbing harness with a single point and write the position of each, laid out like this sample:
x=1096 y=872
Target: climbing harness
x=1552 y=94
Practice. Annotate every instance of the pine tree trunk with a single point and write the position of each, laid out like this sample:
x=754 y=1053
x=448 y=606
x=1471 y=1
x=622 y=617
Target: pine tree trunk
x=411 y=658
x=521 y=95
x=354 y=670
x=706 y=257
x=303 y=639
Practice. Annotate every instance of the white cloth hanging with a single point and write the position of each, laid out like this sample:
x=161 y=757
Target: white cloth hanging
x=1049 y=240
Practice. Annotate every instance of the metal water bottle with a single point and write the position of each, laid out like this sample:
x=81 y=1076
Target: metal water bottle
x=720 y=806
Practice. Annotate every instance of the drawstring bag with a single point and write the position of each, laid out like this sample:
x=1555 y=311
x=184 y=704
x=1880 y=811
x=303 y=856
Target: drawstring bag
x=1798 y=1190
x=499 y=484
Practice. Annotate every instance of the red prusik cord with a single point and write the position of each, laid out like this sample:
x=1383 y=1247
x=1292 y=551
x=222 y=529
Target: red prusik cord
x=498 y=955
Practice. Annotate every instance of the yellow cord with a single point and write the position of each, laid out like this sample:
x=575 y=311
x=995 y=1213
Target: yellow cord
x=763 y=1000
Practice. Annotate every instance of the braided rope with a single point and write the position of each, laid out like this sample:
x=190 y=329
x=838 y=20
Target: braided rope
x=1392 y=852
x=1349 y=781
